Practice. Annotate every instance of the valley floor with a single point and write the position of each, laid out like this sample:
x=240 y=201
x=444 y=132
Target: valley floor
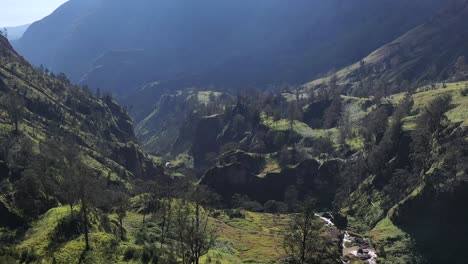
x=256 y=238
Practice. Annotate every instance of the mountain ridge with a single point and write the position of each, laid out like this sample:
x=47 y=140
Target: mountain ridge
x=264 y=42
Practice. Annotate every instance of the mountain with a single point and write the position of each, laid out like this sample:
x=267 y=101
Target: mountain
x=45 y=119
x=371 y=160
x=15 y=33
x=226 y=44
x=434 y=51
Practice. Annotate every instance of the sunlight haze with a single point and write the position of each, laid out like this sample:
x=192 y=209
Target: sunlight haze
x=20 y=12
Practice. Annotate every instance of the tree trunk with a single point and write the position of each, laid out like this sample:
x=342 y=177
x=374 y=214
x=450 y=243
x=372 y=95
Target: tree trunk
x=71 y=210
x=196 y=246
x=121 y=229
x=85 y=221
x=16 y=126
x=304 y=241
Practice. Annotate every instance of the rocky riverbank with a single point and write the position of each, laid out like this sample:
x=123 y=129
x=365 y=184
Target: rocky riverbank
x=354 y=247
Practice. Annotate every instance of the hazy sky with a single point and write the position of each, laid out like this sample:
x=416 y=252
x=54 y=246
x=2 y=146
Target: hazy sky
x=20 y=12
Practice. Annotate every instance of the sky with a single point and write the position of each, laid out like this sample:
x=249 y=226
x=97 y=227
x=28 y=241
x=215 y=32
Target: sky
x=20 y=12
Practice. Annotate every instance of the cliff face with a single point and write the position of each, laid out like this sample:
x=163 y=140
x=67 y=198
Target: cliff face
x=242 y=173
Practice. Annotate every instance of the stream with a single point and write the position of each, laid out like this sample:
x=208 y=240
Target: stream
x=354 y=246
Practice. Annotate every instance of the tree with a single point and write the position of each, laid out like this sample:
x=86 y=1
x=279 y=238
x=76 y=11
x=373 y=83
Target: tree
x=15 y=108
x=428 y=127
x=345 y=127
x=302 y=241
x=4 y=32
x=332 y=113
x=373 y=126
x=90 y=191
x=460 y=67
x=291 y=198
x=333 y=86
x=194 y=233
x=294 y=113
x=67 y=161
x=121 y=205
x=166 y=191
x=275 y=207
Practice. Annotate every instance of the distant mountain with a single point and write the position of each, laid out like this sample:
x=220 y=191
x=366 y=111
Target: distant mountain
x=15 y=33
x=122 y=45
x=434 y=51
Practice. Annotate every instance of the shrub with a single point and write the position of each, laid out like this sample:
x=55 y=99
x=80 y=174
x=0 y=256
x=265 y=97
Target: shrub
x=238 y=199
x=253 y=206
x=464 y=91
x=167 y=256
x=216 y=214
x=28 y=256
x=146 y=235
x=7 y=260
x=235 y=213
x=149 y=254
x=106 y=223
x=68 y=228
x=275 y=207
x=8 y=254
x=131 y=253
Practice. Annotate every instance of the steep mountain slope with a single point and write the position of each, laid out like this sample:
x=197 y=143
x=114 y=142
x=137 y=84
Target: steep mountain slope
x=433 y=51
x=412 y=215
x=213 y=42
x=42 y=118
x=15 y=33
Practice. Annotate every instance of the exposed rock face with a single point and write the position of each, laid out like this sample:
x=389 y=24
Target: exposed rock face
x=205 y=138
x=436 y=222
x=310 y=176
x=136 y=161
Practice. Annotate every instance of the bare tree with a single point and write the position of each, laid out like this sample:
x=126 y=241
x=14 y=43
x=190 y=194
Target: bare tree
x=90 y=191
x=302 y=241
x=121 y=206
x=195 y=234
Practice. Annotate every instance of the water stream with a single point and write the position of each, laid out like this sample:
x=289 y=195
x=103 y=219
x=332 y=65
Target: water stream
x=354 y=246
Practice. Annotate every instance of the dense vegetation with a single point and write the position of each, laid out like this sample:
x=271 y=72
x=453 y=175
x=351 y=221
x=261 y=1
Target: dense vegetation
x=366 y=165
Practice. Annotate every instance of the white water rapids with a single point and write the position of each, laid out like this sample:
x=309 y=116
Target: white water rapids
x=348 y=239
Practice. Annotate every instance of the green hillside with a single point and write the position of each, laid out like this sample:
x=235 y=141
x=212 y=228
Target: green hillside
x=223 y=158
x=426 y=54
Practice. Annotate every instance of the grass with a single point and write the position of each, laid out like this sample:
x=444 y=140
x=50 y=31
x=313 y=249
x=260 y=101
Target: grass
x=298 y=127
x=355 y=107
x=365 y=209
x=393 y=242
x=271 y=166
x=459 y=113
x=103 y=247
x=38 y=237
x=426 y=94
x=217 y=256
x=255 y=239
x=204 y=96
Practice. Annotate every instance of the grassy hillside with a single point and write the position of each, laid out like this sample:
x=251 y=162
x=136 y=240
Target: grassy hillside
x=252 y=238
x=57 y=121
x=429 y=53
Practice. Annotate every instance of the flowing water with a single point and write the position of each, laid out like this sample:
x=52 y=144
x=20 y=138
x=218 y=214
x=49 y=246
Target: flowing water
x=361 y=248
